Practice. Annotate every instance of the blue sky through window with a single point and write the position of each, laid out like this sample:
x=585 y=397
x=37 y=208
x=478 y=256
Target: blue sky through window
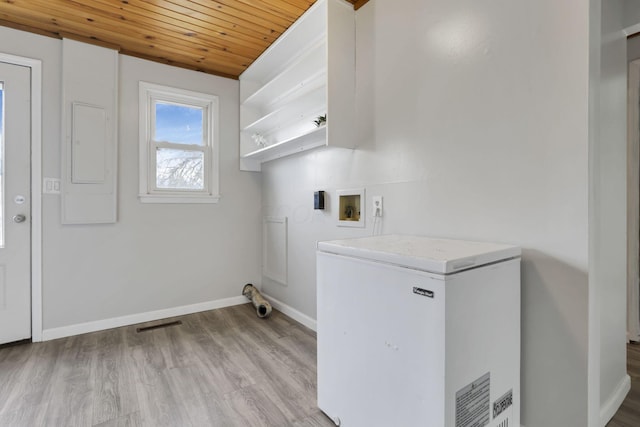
x=178 y=124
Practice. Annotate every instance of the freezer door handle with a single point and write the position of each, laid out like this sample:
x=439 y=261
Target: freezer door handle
x=463 y=264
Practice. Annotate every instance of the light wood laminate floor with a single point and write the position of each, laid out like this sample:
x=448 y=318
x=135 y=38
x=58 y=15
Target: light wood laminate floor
x=629 y=413
x=223 y=367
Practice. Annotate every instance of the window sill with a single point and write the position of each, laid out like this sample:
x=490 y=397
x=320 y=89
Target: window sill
x=177 y=198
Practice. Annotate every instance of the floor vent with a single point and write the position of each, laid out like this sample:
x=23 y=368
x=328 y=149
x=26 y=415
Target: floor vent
x=161 y=325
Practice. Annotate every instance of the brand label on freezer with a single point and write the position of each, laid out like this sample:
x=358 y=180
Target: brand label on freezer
x=502 y=403
x=472 y=403
x=423 y=292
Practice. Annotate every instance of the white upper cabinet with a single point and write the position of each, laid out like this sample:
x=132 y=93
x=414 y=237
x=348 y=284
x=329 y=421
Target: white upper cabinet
x=308 y=72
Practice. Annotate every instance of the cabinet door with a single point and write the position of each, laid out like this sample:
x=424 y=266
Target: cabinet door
x=380 y=343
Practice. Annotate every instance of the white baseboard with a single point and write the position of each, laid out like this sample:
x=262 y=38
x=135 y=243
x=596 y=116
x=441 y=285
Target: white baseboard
x=611 y=406
x=292 y=312
x=132 y=319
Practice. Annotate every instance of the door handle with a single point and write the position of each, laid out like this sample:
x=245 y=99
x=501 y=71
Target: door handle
x=19 y=218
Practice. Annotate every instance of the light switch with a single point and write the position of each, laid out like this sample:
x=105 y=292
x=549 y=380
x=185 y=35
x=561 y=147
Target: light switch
x=51 y=186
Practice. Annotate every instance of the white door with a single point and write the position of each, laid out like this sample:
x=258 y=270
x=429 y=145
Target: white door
x=15 y=207
x=633 y=202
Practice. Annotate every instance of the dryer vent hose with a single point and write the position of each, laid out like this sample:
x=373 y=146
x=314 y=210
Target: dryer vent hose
x=263 y=308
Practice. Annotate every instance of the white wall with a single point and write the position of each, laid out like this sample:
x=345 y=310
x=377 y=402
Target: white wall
x=631 y=13
x=607 y=264
x=155 y=256
x=473 y=123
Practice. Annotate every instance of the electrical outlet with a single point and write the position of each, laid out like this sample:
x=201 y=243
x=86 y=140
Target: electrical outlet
x=377 y=206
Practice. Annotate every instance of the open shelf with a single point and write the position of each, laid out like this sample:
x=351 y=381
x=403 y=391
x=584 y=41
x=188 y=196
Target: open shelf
x=308 y=72
x=294 y=111
x=291 y=81
x=298 y=66
x=299 y=38
x=314 y=138
x=253 y=111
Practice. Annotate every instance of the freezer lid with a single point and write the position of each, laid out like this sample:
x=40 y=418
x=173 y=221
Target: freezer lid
x=442 y=256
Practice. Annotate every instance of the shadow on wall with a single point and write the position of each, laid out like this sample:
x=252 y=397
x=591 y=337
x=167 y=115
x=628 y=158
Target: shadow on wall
x=554 y=342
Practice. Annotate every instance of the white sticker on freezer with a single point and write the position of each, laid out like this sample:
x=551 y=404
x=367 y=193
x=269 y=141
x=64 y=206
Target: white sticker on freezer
x=473 y=403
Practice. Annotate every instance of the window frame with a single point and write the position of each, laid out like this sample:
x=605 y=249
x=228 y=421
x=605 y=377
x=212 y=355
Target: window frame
x=149 y=192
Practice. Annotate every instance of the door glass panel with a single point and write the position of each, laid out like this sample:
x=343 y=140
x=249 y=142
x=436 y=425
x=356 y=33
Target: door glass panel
x=1 y=165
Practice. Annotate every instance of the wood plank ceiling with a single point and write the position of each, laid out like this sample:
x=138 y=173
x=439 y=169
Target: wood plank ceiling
x=221 y=37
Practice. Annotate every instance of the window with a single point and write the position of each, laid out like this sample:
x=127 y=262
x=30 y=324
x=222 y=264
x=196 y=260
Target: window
x=178 y=145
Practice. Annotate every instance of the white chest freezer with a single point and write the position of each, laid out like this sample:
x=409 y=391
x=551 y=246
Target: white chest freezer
x=414 y=331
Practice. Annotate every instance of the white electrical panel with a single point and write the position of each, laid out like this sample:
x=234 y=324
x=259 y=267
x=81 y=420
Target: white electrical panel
x=89 y=134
